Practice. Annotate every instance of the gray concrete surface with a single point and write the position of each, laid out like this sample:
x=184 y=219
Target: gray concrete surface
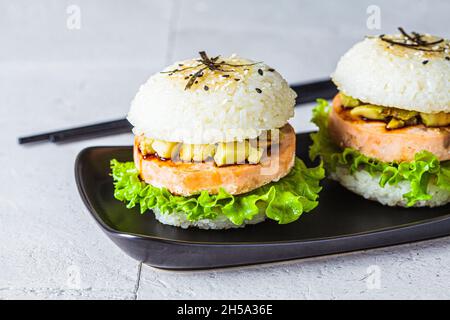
x=53 y=77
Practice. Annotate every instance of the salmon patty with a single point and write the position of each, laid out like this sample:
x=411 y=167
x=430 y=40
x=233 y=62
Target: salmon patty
x=372 y=139
x=186 y=179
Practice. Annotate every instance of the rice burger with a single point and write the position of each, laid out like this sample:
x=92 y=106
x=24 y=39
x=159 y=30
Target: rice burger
x=213 y=148
x=387 y=134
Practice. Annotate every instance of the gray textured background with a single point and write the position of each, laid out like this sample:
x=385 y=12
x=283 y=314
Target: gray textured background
x=52 y=77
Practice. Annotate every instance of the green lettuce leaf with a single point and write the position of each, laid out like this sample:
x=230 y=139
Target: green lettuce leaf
x=283 y=201
x=425 y=167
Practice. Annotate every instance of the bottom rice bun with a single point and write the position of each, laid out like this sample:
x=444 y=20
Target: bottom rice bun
x=368 y=185
x=179 y=219
x=213 y=148
x=387 y=134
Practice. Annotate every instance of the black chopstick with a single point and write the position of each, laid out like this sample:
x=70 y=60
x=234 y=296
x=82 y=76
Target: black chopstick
x=310 y=91
x=95 y=130
x=307 y=92
x=119 y=126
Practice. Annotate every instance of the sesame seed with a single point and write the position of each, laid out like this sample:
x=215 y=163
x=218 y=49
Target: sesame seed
x=271 y=70
x=236 y=79
x=258 y=90
x=260 y=72
x=424 y=61
x=206 y=88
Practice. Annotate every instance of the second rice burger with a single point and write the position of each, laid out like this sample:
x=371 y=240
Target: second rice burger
x=213 y=148
x=387 y=134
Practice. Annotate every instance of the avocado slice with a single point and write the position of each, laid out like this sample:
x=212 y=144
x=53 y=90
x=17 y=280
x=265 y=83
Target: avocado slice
x=395 y=124
x=254 y=155
x=401 y=114
x=186 y=152
x=231 y=153
x=441 y=119
x=369 y=111
x=146 y=146
x=348 y=101
x=164 y=149
x=196 y=152
x=203 y=151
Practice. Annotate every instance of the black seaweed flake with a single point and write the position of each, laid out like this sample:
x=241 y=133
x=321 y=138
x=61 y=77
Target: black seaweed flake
x=205 y=62
x=414 y=41
x=447 y=58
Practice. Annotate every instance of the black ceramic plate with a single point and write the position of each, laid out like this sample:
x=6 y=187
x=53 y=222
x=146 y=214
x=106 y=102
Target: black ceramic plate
x=342 y=222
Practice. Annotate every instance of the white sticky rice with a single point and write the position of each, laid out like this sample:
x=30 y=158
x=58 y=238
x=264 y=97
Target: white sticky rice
x=179 y=219
x=362 y=183
x=395 y=76
x=228 y=110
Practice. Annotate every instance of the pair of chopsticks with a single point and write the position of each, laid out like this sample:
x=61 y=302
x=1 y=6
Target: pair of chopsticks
x=307 y=92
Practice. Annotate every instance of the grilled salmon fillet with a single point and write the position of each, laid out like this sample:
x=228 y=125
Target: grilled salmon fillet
x=372 y=138
x=186 y=179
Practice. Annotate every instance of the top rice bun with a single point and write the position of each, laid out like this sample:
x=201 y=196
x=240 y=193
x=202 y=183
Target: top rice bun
x=216 y=108
x=380 y=73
